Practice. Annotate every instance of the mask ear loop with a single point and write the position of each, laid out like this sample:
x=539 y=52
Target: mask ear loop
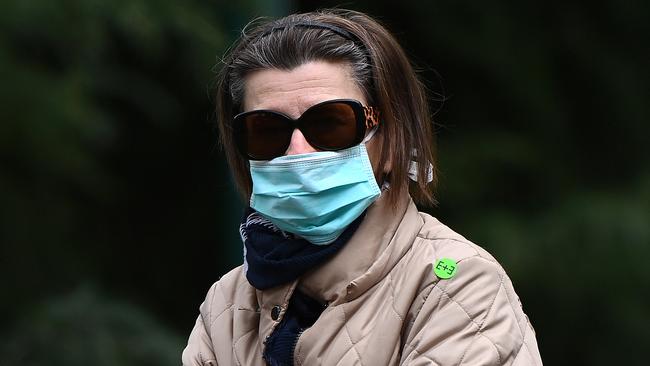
x=385 y=185
x=370 y=134
x=413 y=166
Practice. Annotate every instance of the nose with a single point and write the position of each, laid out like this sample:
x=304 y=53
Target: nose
x=299 y=144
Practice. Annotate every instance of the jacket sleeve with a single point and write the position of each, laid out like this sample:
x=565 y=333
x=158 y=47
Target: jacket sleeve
x=472 y=319
x=199 y=351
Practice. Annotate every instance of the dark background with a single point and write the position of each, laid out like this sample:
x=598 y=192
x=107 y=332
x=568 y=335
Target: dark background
x=117 y=211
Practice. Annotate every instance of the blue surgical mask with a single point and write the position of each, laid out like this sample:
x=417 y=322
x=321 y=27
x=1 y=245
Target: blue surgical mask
x=315 y=195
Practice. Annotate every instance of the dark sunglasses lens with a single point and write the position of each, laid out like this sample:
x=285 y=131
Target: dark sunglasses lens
x=331 y=126
x=265 y=135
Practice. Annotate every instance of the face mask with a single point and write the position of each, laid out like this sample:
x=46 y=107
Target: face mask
x=315 y=195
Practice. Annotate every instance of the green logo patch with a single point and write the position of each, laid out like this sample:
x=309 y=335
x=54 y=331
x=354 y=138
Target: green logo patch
x=445 y=268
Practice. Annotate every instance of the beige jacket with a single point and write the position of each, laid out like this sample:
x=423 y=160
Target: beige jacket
x=385 y=304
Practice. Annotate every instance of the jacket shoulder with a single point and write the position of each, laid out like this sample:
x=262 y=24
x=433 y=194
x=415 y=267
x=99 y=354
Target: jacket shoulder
x=446 y=243
x=218 y=303
x=221 y=295
x=477 y=306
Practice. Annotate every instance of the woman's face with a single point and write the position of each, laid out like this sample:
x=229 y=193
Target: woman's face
x=293 y=92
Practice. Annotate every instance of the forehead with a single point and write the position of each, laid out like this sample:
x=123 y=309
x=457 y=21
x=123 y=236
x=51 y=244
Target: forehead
x=294 y=91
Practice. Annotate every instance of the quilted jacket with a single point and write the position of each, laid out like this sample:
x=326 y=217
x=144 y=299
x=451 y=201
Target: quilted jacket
x=385 y=304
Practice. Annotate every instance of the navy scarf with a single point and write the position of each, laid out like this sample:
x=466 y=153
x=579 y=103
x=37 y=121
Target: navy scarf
x=273 y=257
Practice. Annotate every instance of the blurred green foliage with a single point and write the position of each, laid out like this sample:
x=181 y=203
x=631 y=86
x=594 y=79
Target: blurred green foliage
x=84 y=328
x=110 y=173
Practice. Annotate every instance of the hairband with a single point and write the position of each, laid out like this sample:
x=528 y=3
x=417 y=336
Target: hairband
x=340 y=31
x=318 y=25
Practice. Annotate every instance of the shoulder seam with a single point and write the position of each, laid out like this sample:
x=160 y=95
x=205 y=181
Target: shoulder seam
x=466 y=242
x=522 y=330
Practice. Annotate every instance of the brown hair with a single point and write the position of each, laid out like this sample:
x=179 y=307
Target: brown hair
x=378 y=65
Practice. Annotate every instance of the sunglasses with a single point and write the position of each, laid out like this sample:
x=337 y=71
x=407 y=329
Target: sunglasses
x=331 y=125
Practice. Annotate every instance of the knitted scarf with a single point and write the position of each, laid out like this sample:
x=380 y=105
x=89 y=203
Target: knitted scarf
x=273 y=257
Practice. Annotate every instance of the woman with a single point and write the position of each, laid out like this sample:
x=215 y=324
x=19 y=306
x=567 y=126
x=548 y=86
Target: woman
x=327 y=132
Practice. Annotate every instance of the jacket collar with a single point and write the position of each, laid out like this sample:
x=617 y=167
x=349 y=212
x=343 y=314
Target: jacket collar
x=381 y=240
